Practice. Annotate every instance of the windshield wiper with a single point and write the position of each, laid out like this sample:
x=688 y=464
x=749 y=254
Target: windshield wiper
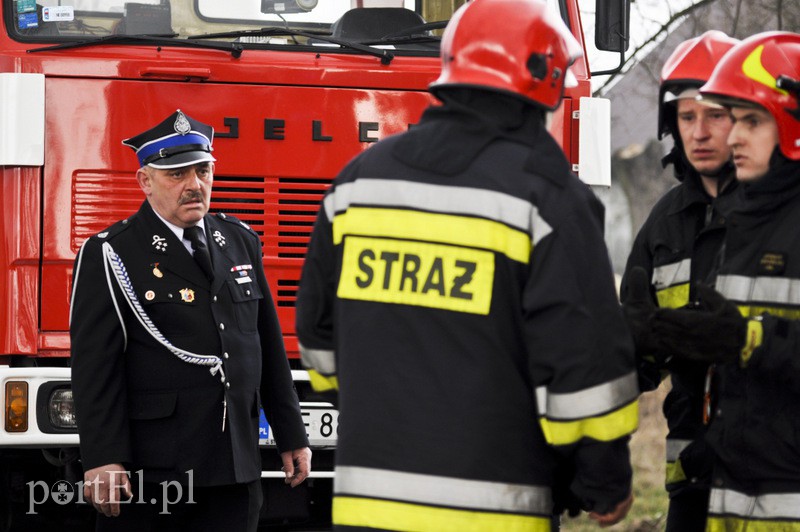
x=417 y=31
x=162 y=40
x=384 y=55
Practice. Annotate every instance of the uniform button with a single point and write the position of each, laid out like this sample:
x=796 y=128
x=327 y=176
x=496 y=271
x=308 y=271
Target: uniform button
x=693 y=480
x=169 y=296
x=228 y=385
x=124 y=221
x=225 y=355
x=223 y=379
x=215 y=299
x=221 y=326
x=247 y=292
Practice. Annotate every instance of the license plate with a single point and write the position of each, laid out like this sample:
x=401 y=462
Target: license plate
x=321 y=423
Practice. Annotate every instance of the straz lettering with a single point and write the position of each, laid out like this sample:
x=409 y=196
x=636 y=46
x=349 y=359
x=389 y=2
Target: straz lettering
x=417 y=273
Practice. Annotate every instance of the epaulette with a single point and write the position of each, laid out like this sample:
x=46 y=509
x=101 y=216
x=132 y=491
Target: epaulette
x=114 y=230
x=236 y=221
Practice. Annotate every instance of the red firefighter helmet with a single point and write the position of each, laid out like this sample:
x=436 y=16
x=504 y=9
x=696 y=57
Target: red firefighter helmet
x=519 y=47
x=764 y=70
x=687 y=69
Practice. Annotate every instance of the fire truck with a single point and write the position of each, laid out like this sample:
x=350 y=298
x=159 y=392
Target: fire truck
x=293 y=88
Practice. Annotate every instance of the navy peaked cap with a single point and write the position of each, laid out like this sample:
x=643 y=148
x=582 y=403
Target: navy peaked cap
x=177 y=141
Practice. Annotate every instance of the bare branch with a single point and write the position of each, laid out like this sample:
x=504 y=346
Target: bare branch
x=632 y=58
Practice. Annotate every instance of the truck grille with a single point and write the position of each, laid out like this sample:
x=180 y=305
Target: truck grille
x=281 y=210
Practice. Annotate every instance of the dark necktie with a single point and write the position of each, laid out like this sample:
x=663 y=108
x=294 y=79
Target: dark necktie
x=201 y=255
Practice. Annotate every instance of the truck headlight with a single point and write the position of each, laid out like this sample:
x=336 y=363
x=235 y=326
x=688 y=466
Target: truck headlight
x=61 y=409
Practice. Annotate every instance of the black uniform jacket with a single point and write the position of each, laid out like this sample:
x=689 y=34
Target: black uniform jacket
x=678 y=246
x=139 y=404
x=756 y=432
x=458 y=286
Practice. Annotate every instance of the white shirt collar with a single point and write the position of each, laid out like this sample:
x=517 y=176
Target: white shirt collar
x=179 y=230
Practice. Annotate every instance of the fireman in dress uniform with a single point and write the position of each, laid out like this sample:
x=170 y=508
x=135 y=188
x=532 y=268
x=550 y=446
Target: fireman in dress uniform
x=676 y=247
x=749 y=325
x=175 y=347
x=458 y=295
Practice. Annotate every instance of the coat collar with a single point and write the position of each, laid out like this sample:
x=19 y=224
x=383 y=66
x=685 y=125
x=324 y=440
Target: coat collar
x=171 y=255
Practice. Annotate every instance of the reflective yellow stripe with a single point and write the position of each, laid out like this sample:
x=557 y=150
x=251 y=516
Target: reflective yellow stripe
x=786 y=313
x=389 y=515
x=608 y=427
x=321 y=383
x=673 y=297
x=733 y=524
x=456 y=200
x=753 y=339
x=674 y=472
x=431 y=227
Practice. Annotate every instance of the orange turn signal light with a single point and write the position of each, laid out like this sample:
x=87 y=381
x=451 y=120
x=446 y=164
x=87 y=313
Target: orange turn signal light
x=16 y=406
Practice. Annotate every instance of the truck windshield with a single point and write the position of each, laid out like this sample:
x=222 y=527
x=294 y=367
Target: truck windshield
x=402 y=26
x=398 y=25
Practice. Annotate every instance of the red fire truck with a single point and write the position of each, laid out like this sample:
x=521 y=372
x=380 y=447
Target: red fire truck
x=293 y=88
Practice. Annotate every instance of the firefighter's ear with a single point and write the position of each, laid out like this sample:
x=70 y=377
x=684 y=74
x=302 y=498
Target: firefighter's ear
x=144 y=178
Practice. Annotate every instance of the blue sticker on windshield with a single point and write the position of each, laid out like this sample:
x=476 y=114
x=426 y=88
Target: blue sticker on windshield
x=26 y=6
x=28 y=20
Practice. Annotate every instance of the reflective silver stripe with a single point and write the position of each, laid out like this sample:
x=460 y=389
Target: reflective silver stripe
x=488 y=204
x=675 y=448
x=672 y=274
x=589 y=402
x=766 y=506
x=322 y=360
x=779 y=290
x=442 y=491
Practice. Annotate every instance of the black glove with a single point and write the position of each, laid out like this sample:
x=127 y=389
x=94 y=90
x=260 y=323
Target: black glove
x=639 y=310
x=564 y=500
x=713 y=330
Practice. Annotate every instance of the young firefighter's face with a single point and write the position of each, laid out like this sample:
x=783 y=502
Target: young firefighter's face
x=180 y=195
x=704 y=132
x=753 y=138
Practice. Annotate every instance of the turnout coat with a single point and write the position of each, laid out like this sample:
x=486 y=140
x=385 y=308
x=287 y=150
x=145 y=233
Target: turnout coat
x=141 y=405
x=458 y=292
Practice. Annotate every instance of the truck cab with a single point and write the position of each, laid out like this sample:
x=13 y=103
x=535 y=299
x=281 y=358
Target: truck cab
x=293 y=88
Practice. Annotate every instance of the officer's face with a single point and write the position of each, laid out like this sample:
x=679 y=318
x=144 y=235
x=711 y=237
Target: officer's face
x=704 y=133
x=180 y=195
x=753 y=139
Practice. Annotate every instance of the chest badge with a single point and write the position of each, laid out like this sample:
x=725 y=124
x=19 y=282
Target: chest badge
x=772 y=263
x=219 y=238
x=156 y=271
x=187 y=295
x=160 y=243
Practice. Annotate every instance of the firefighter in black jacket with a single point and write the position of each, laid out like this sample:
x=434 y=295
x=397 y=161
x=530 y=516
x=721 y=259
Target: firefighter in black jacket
x=677 y=246
x=750 y=325
x=458 y=294
x=172 y=355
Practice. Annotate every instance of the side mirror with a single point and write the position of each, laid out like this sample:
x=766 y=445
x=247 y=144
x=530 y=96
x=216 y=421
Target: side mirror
x=612 y=25
x=281 y=7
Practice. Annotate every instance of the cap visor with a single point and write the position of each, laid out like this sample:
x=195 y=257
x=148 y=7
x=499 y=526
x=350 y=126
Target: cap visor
x=182 y=159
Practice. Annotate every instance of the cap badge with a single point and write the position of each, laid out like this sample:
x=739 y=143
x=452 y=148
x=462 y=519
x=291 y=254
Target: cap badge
x=182 y=125
x=219 y=238
x=160 y=243
x=187 y=295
